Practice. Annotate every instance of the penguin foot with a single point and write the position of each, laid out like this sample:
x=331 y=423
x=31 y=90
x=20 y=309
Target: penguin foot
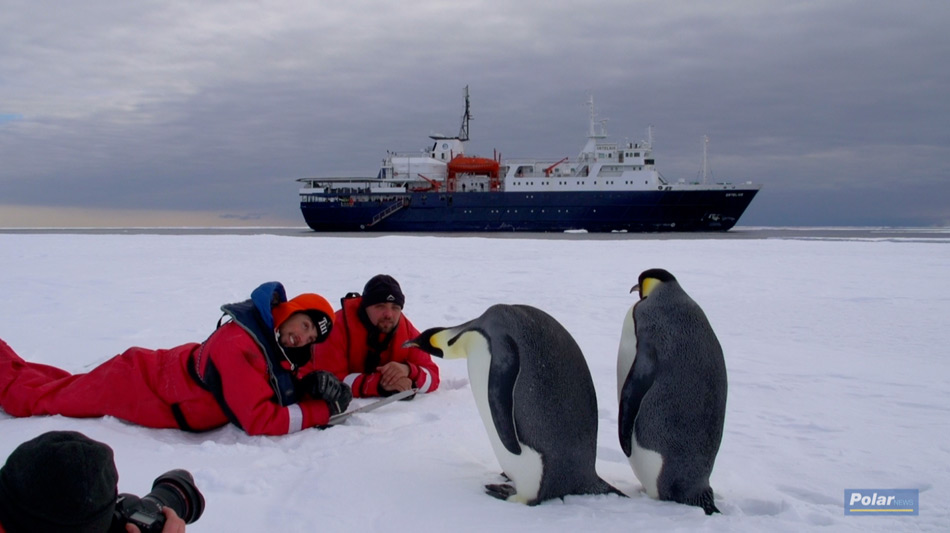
x=500 y=491
x=707 y=503
x=705 y=500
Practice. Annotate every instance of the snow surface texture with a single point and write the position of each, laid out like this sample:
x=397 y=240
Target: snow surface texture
x=837 y=356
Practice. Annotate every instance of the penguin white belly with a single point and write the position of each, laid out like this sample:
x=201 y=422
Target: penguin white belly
x=647 y=465
x=627 y=353
x=524 y=470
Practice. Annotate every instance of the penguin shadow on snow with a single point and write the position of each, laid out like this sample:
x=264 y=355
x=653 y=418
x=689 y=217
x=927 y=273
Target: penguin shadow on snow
x=535 y=396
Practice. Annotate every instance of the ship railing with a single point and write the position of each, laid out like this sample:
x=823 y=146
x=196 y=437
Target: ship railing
x=335 y=182
x=542 y=163
x=419 y=154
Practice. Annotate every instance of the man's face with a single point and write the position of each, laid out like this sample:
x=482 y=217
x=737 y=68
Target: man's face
x=297 y=331
x=384 y=316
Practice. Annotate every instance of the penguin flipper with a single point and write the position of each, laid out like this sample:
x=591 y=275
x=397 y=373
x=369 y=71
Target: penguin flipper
x=501 y=388
x=638 y=382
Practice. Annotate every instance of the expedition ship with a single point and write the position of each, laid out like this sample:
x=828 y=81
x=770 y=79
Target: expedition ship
x=607 y=187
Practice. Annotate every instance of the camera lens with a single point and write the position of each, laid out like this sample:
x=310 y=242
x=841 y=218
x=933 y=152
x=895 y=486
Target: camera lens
x=176 y=489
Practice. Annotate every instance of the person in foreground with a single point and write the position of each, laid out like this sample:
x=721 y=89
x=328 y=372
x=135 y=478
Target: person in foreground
x=65 y=482
x=249 y=372
x=365 y=348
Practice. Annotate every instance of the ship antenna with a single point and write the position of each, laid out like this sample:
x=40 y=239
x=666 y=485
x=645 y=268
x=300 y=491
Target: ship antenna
x=594 y=134
x=590 y=107
x=463 y=131
x=705 y=165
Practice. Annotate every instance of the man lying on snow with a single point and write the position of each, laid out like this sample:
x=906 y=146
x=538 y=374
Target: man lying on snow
x=247 y=372
x=366 y=348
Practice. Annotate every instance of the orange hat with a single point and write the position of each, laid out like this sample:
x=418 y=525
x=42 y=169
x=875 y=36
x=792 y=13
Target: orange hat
x=304 y=302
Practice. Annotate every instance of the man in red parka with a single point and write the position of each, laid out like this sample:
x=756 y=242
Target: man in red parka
x=365 y=348
x=249 y=372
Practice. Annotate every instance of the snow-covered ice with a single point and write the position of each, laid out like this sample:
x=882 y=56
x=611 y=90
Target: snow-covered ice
x=836 y=350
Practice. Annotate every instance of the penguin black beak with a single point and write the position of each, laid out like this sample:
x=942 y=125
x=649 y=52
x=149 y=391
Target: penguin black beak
x=635 y=288
x=423 y=344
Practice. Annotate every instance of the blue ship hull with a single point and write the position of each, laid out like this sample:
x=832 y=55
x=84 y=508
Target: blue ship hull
x=633 y=211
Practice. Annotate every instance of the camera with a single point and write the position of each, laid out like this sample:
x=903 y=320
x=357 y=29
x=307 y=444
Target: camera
x=175 y=489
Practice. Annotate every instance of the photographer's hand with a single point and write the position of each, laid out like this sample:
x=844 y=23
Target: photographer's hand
x=173 y=524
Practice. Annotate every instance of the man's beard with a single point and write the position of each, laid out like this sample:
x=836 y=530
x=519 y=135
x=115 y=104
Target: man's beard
x=386 y=326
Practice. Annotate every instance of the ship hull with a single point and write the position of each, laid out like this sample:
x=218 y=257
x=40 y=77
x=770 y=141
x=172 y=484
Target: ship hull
x=632 y=211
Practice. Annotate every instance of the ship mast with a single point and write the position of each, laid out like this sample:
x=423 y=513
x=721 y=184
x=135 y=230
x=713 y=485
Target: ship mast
x=705 y=164
x=705 y=158
x=594 y=134
x=589 y=151
x=463 y=131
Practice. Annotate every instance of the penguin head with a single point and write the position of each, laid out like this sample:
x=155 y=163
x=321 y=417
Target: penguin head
x=650 y=280
x=433 y=341
x=447 y=343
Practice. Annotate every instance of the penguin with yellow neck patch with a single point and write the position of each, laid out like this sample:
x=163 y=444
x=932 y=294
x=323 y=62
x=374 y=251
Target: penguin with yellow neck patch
x=671 y=385
x=536 y=398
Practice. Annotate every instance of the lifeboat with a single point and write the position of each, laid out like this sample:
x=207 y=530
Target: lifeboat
x=479 y=166
x=473 y=165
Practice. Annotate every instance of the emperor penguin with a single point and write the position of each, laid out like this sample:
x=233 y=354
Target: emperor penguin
x=671 y=385
x=536 y=398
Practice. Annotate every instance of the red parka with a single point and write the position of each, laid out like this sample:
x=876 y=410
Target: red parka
x=344 y=353
x=156 y=388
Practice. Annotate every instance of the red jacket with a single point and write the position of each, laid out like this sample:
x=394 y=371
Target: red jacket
x=154 y=388
x=344 y=353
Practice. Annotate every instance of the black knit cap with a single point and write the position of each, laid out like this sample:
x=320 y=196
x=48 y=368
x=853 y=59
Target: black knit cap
x=382 y=288
x=59 y=482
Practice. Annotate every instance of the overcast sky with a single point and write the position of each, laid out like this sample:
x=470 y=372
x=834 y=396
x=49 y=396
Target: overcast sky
x=840 y=109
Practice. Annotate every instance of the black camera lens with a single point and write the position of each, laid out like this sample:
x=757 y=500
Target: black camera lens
x=176 y=489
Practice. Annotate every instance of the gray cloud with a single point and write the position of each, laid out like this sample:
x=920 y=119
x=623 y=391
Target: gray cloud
x=838 y=108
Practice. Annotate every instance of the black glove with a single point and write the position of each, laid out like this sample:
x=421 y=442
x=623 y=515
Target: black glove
x=323 y=385
x=342 y=402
